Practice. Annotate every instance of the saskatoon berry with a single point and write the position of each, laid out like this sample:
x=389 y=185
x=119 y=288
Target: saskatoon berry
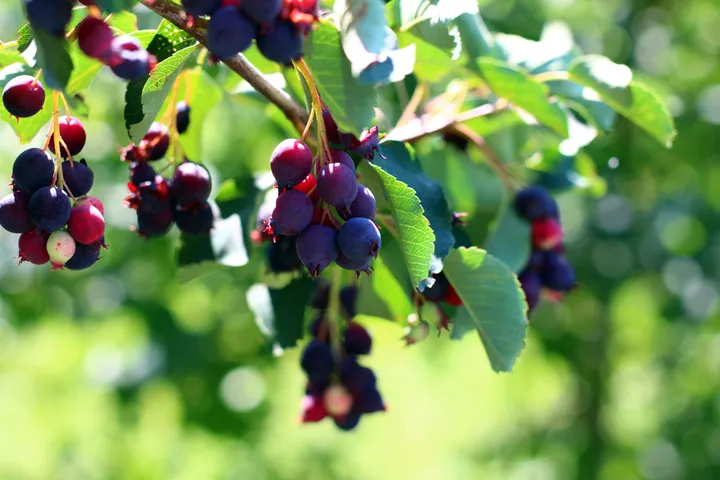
x=313 y=408
x=348 y=422
x=129 y=60
x=151 y=197
x=85 y=256
x=229 y=32
x=292 y=214
x=308 y=187
x=357 y=339
x=23 y=96
x=49 y=15
x=337 y=400
x=533 y=203
x=190 y=184
x=452 y=297
x=86 y=224
x=355 y=377
x=72 y=132
x=32 y=170
x=439 y=290
x=316 y=248
x=154 y=145
x=154 y=224
x=141 y=173
x=369 y=401
x=49 y=209
x=319 y=328
x=359 y=238
x=282 y=44
x=93 y=201
x=198 y=219
x=556 y=273
x=348 y=301
x=535 y=262
x=182 y=117
x=290 y=162
x=532 y=286
x=363 y=205
x=78 y=177
x=262 y=11
x=14 y=215
x=282 y=255
x=362 y=265
x=33 y=248
x=95 y=38
x=321 y=297
x=338 y=156
x=201 y=7
x=317 y=361
x=337 y=185
x=60 y=248
x=546 y=233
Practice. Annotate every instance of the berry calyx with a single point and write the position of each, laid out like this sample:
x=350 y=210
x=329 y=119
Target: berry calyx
x=78 y=177
x=60 y=247
x=290 y=162
x=316 y=248
x=33 y=248
x=86 y=224
x=14 y=214
x=72 y=132
x=23 y=96
x=190 y=184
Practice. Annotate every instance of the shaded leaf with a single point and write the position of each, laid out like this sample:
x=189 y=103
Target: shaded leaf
x=53 y=56
x=510 y=242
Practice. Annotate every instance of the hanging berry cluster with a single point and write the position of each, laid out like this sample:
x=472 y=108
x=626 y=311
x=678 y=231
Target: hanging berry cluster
x=338 y=386
x=278 y=27
x=547 y=269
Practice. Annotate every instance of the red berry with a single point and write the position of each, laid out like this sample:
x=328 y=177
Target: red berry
x=190 y=184
x=94 y=201
x=313 y=409
x=95 y=38
x=546 y=234
x=72 y=131
x=290 y=162
x=452 y=298
x=23 y=96
x=154 y=145
x=309 y=188
x=86 y=224
x=337 y=400
x=33 y=248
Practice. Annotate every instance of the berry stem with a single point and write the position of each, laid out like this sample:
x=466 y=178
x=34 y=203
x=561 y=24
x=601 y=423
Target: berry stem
x=55 y=128
x=333 y=313
x=317 y=109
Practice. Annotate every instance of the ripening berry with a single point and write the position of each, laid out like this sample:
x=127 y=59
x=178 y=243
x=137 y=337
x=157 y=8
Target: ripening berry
x=363 y=205
x=439 y=289
x=33 y=169
x=230 y=32
x=23 y=96
x=337 y=186
x=313 y=408
x=282 y=43
x=197 y=220
x=309 y=188
x=533 y=203
x=190 y=184
x=262 y=11
x=348 y=422
x=85 y=256
x=339 y=156
x=556 y=273
x=78 y=177
x=60 y=247
x=154 y=145
x=201 y=7
x=49 y=15
x=317 y=361
x=337 y=400
x=94 y=201
x=316 y=248
x=154 y=224
x=282 y=255
x=14 y=214
x=182 y=117
x=86 y=224
x=531 y=284
x=359 y=239
x=72 y=132
x=356 y=339
x=95 y=38
x=292 y=214
x=290 y=162
x=32 y=247
x=355 y=377
x=129 y=60
x=49 y=209
x=546 y=234
x=417 y=333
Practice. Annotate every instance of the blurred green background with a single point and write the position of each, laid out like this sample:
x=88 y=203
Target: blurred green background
x=121 y=373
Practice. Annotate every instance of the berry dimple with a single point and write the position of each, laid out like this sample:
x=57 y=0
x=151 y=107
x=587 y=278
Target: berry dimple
x=23 y=96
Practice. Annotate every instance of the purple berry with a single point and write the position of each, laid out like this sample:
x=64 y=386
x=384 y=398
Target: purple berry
x=230 y=32
x=359 y=239
x=14 y=215
x=317 y=249
x=129 y=60
x=281 y=44
x=293 y=213
x=32 y=170
x=85 y=256
x=337 y=185
x=533 y=203
x=23 y=96
x=49 y=209
x=154 y=224
x=190 y=184
x=95 y=38
x=182 y=117
x=338 y=156
x=532 y=286
x=556 y=273
x=290 y=162
x=348 y=301
x=348 y=422
x=357 y=339
x=154 y=145
x=49 y=15
x=262 y=11
x=282 y=255
x=141 y=172
x=317 y=361
x=78 y=177
x=355 y=377
x=369 y=401
x=362 y=265
x=263 y=215
x=201 y=7
x=363 y=206
x=196 y=220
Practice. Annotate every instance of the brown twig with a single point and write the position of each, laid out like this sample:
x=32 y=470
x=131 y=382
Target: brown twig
x=296 y=113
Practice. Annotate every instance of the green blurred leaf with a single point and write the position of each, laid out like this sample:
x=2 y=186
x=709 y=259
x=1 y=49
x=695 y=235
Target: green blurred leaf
x=25 y=37
x=524 y=92
x=432 y=64
x=634 y=100
x=494 y=301
x=408 y=223
x=124 y=21
x=510 y=241
x=431 y=20
x=362 y=28
x=205 y=93
x=10 y=54
x=113 y=6
x=53 y=56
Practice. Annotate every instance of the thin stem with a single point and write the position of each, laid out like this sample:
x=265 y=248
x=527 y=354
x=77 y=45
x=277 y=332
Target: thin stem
x=333 y=313
x=55 y=127
x=317 y=107
x=492 y=158
x=173 y=13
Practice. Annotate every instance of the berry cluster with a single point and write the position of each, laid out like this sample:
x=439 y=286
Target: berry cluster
x=547 y=267
x=338 y=386
x=279 y=27
x=52 y=227
x=159 y=202
x=307 y=205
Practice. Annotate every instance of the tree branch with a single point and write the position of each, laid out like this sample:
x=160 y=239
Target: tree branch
x=174 y=14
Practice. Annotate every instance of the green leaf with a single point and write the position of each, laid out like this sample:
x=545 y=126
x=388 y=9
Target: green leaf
x=402 y=207
x=280 y=313
x=25 y=128
x=494 y=301
x=205 y=93
x=524 y=92
x=25 y=37
x=113 y=6
x=53 y=56
x=510 y=242
x=476 y=40
x=9 y=55
x=125 y=22
x=432 y=64
x=401 y=163
x=431 y=20
x=350 y=102
x=634 y=100
x=362 y=30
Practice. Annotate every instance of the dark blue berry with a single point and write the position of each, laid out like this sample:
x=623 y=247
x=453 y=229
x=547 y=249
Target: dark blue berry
x=357 y=340
x=363 y=205
x=262 y=11
x=317 y=361
x=14 y=214
x=281 y=44
x=319 y=327
x=316 y=247
x=355 y=377
x=348 y=422
x=531 y=284
x=154 y=224
x=201 y=7
x=49 y=15
x=182 y=117
x=85 y=256
x=368 y=401
x=354 y=265
x=49 y=209
x=195 y=220
x=230 y=32
x=439 y=290
x=359 y=239
x=293 y=213
x=556 y=273
x=141 y=173
x=78 y=177
x=32 y=170
x=282 y=255
x=348 y=300
x=533 y=203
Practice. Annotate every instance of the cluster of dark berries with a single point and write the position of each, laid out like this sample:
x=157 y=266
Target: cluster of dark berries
x=279 y=27
x=159 y=202
x=338 y=386
x=547 y=269
x=52 y=227
x=124 y=54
